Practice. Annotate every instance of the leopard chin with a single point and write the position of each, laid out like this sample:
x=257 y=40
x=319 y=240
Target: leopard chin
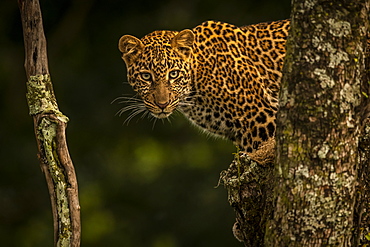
x=161 y=115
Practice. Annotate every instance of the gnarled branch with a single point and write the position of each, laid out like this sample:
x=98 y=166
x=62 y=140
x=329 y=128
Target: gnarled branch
x=49 y=126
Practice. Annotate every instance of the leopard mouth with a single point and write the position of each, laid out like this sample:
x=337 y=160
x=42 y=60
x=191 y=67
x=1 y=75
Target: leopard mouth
x=161 y=114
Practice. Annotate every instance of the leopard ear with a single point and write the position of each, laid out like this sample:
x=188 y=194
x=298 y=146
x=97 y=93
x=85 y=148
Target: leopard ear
x=183 y=42
x=130 y=47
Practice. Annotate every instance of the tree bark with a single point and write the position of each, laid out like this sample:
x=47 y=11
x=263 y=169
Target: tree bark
x=319 y=125
x=250 y=187
x=49 y=126
x=361 y=233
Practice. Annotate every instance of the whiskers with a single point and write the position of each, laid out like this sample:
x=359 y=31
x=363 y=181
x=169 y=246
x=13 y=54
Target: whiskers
x=188 y=101
x=135 y=105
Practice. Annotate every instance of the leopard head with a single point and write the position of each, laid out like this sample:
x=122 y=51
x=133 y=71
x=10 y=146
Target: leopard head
x=159 y=68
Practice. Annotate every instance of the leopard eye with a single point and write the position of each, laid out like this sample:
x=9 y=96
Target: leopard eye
x=173 y=74
x=146 y=76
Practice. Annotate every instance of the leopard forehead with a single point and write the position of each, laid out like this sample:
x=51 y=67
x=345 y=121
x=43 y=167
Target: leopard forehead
x=159 y=38
x=158 y=55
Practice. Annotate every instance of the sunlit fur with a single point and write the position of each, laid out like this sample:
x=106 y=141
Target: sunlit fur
x=223 y=78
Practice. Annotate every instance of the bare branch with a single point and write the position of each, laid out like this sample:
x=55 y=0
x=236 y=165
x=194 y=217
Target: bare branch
x=49 y=126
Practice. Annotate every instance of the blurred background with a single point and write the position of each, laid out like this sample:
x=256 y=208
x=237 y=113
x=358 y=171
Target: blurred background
x=141 y=184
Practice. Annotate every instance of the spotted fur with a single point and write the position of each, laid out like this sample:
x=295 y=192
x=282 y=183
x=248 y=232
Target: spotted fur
x=224 y=78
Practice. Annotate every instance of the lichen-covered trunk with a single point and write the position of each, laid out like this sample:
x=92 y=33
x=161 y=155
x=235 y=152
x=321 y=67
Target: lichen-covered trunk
x=319 y=124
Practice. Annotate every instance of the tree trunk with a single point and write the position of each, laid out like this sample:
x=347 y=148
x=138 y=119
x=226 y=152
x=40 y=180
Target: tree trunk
x=49 y=126
x=319 y=125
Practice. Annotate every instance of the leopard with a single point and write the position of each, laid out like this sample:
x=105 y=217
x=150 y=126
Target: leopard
x=223 y=78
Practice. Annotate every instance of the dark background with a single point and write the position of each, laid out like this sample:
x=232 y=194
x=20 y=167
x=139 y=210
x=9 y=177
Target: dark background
x=140 y=184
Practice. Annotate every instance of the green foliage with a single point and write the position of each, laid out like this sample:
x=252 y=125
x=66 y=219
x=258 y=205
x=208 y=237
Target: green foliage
x=139 y=185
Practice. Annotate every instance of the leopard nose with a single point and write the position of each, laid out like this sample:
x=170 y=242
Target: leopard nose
x=162 y=105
